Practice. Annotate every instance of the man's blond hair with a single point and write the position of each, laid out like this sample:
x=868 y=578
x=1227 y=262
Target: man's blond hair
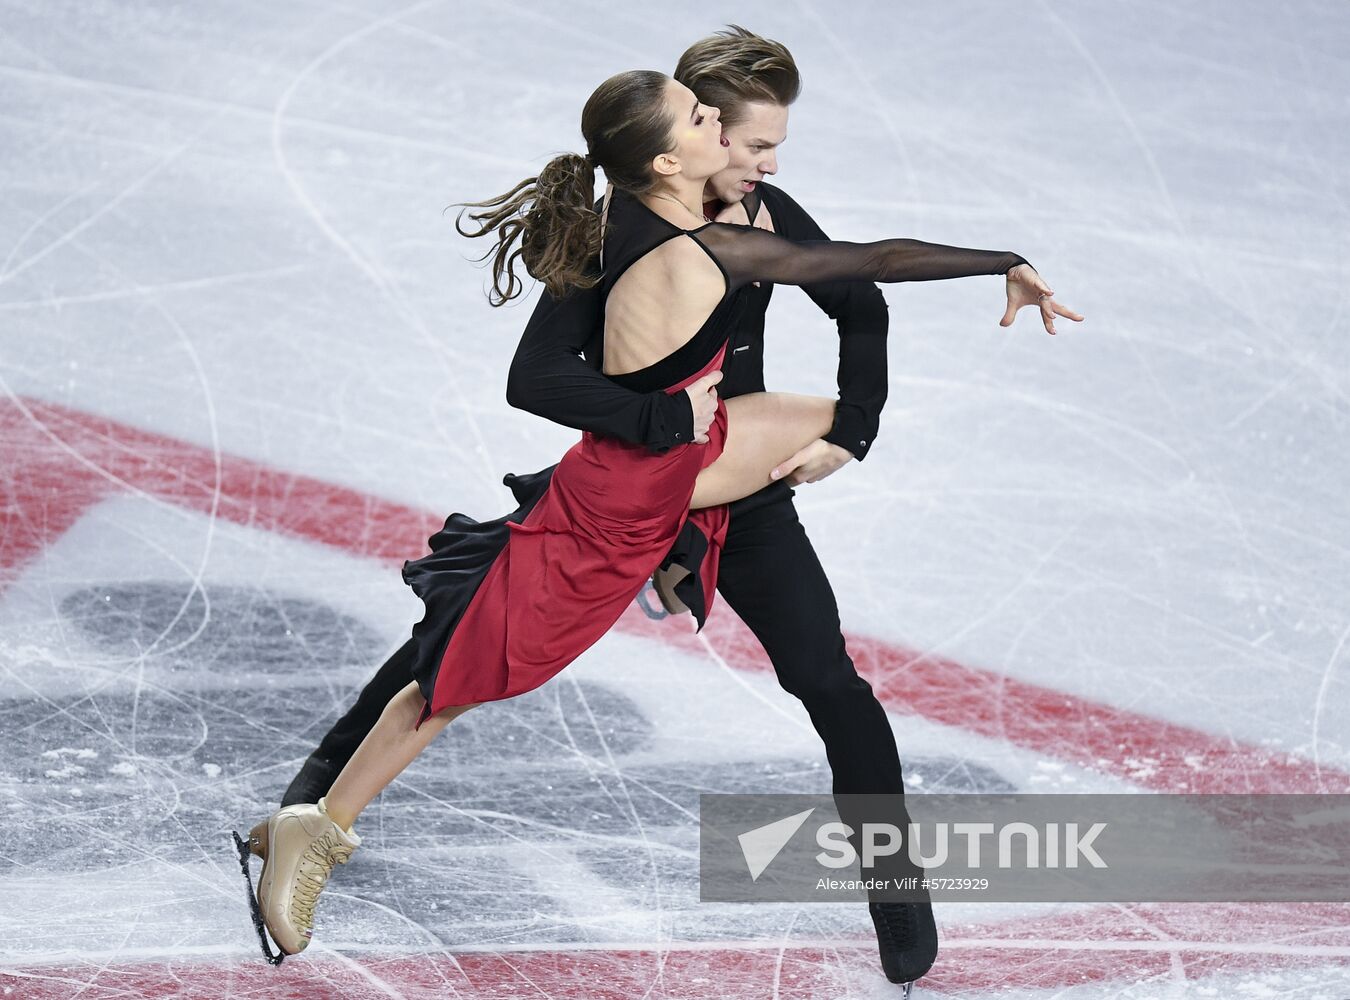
x=735 y=67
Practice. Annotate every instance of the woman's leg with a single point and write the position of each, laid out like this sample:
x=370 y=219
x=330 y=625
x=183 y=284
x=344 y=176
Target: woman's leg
x=763 y=430
x=301 y=843
x=384 y=753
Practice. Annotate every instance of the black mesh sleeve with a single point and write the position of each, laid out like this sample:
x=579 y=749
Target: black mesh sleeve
x=748 y=255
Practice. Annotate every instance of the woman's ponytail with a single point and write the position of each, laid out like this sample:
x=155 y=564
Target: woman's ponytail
x=552 y=220
x=548 y=221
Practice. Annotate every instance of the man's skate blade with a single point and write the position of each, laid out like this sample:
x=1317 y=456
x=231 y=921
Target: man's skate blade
x=655 y=614
x=243 y=849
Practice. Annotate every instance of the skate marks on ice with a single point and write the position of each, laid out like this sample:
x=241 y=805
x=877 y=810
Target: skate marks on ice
x=228 y=684
x=562 y=816
x=155 y=905
x=148 y=902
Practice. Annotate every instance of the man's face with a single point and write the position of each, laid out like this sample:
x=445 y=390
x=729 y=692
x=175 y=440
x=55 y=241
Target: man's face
x=754 y=151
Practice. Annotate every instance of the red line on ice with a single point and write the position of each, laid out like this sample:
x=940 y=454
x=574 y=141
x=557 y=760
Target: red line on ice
x=1137 y=944
x=56 y=463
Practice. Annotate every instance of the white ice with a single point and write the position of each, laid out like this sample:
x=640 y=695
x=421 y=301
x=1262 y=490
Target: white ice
x=225 y=224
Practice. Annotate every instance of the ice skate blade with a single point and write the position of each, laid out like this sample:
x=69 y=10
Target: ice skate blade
x=655 y=614
x=907 y=989
x=244 y=848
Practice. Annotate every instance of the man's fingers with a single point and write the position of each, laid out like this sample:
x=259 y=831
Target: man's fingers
x=789 y=466
x=705 y=404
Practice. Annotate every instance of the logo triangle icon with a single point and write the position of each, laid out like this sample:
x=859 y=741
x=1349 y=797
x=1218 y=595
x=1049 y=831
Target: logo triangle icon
x=762 y=844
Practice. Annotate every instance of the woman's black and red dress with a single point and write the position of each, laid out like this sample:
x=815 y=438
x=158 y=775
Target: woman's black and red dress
x=511 y=602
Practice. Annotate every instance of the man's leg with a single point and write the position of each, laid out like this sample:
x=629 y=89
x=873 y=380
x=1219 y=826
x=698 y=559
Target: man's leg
x=771 y=577
x=323 y=766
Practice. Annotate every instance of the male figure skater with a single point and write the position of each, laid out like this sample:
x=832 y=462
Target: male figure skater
x=769 y=572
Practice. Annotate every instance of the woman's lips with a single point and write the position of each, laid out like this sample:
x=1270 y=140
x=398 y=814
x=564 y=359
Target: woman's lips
x=748 y=186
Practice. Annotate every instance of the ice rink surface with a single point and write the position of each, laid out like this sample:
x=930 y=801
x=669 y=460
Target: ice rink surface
x=246 y=367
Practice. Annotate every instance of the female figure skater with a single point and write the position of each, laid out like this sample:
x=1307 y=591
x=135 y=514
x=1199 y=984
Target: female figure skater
x=511 y=602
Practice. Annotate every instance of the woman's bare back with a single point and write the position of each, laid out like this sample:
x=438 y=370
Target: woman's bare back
x=657 y=306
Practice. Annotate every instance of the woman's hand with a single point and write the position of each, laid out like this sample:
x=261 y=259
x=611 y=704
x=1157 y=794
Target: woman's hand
x=1027 y=288
x=703 y=401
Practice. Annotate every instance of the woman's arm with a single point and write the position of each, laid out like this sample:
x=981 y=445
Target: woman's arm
x=754 y=255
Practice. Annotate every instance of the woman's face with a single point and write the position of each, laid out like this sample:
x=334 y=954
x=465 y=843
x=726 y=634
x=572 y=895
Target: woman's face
x=697 y=140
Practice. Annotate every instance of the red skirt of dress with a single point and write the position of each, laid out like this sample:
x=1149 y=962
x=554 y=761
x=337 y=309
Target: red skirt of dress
x=569 y=569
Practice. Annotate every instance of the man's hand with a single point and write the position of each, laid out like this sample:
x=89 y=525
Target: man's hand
x=813 y=463
x=1027 y=288
x=703 y=401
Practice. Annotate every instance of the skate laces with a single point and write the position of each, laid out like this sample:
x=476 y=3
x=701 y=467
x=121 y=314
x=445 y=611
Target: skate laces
x=311 y=875
x=897 y=919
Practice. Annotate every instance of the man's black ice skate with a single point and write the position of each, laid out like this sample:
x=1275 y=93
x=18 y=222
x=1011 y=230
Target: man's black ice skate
x=311 y=784
x=907 y=938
